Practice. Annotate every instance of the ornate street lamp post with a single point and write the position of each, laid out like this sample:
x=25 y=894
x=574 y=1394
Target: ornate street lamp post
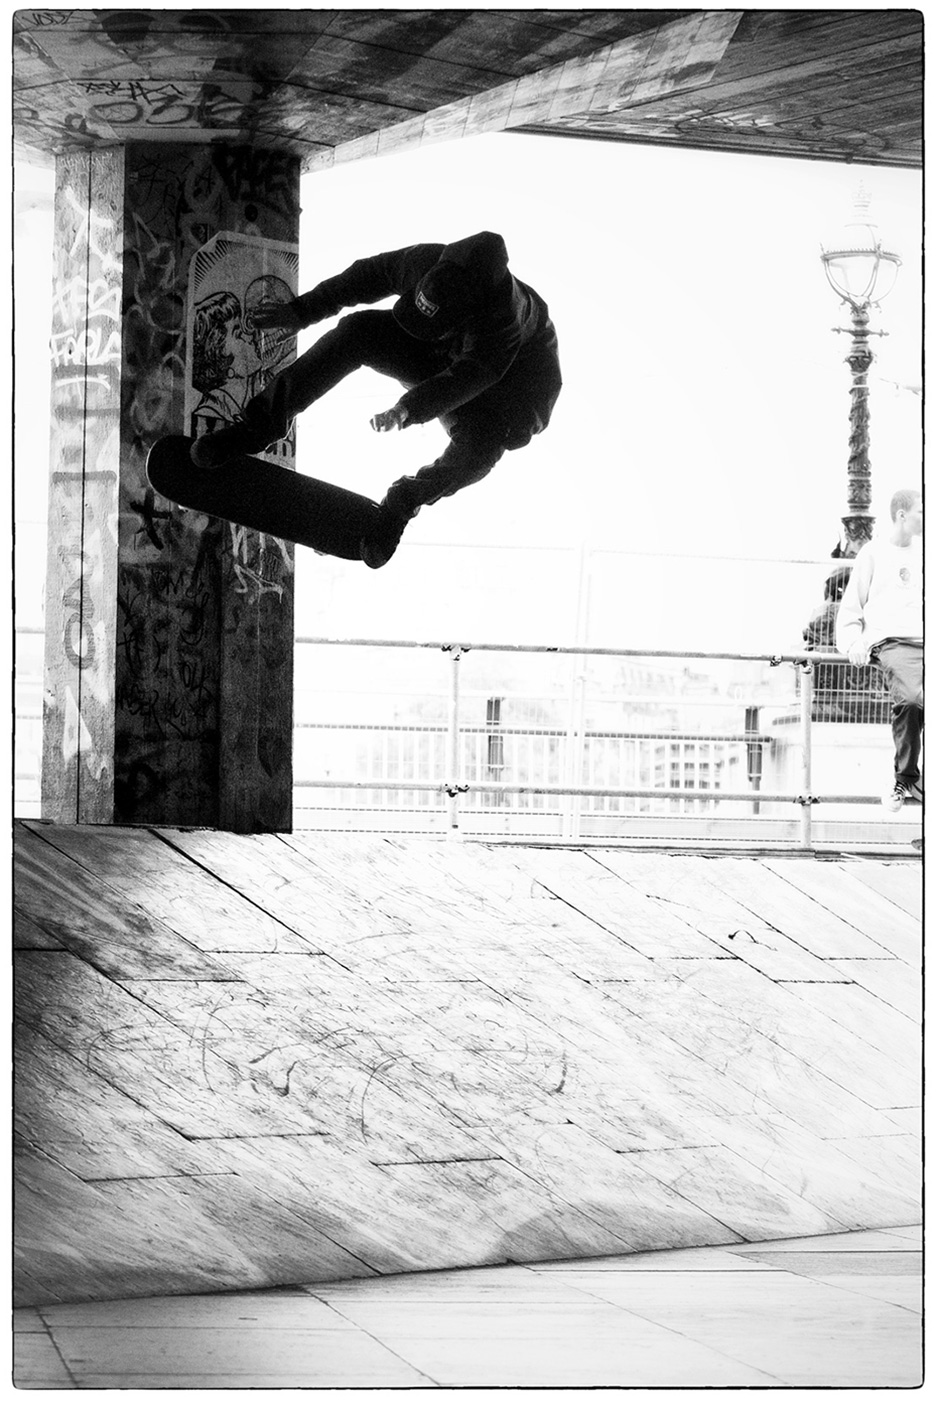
x=862 y=273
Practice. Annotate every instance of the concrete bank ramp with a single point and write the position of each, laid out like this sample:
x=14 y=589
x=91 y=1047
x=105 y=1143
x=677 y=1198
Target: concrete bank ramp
x=253 y=1061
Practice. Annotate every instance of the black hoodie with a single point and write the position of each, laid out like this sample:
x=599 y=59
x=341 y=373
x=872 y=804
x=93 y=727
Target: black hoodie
x=504 y=332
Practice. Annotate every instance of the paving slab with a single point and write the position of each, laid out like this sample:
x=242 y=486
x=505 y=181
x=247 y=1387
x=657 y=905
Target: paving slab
x=835 y=1311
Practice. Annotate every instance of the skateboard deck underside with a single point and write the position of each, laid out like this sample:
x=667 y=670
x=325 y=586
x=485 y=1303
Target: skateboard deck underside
x=254 y=493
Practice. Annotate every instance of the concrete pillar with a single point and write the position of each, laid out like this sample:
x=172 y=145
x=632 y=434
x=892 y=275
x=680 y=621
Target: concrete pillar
x=169 y=635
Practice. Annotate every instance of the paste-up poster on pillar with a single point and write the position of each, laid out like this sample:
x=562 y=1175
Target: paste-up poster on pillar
x=228 y=359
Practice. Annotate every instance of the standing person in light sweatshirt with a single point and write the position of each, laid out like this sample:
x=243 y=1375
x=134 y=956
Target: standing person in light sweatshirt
x=881 y=619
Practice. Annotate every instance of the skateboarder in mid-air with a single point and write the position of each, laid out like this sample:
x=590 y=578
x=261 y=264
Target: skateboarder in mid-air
x=473 y=346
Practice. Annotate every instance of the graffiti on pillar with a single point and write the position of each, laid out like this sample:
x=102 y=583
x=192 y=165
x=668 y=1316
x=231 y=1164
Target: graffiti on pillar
x=85 y=341
x=85 y=349
x=189 y=586
x=229 y=360
x=151 y=647
x=178 y=199
x=252 y=568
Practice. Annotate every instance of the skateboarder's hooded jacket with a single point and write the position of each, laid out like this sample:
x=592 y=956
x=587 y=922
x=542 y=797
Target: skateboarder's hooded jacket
x=485 y=329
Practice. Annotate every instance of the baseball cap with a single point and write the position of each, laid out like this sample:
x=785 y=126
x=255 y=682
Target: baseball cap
x=439 y=303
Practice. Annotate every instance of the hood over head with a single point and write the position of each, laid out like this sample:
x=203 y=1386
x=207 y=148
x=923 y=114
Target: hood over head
x=465 y=277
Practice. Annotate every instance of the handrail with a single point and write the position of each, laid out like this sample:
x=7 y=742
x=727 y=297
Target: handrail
x=750 y=796
x=425 y=728
x=452 y=784
x=572 y=649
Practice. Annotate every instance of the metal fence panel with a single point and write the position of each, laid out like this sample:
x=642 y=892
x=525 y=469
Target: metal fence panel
x=535 y=743
x=541 y=744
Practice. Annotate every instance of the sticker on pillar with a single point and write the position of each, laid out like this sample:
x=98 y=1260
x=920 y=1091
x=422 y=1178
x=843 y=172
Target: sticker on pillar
x=228 y=358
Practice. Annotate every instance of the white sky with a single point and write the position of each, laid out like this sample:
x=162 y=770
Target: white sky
x=706 y=399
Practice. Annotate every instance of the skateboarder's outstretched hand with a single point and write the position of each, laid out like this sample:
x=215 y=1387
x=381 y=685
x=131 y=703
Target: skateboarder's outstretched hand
x=277 y=316
x=394 y=418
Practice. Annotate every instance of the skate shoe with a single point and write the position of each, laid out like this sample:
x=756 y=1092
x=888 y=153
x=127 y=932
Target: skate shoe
x=215 y=450
x=894 y=801
x=380 y=545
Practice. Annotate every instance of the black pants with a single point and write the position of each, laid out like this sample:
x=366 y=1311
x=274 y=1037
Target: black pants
x=903 y=666
x=478 y=432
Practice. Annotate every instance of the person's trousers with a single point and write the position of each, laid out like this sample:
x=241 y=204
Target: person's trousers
x=374 y=339
x=902 y=664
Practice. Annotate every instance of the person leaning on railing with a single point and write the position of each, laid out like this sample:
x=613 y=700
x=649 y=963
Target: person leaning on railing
x=881 y=619
x=819 y=635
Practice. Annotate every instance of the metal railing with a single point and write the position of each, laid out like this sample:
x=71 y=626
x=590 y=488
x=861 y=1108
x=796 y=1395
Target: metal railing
x=574 y=743
x=459 y=773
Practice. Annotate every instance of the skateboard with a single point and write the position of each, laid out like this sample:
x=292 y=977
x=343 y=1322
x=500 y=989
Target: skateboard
x=254 y=493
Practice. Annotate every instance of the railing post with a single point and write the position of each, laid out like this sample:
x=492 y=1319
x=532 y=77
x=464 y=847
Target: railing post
x=806 y=729
x=754 y=752
x=568 y=767
x=578 y=751
x=453 y=782
x=574 y=738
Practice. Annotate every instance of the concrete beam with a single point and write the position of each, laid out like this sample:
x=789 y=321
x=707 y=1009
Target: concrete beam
x=676 y=57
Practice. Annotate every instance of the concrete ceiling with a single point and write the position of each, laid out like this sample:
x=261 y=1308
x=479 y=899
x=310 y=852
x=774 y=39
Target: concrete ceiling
x=337 y=85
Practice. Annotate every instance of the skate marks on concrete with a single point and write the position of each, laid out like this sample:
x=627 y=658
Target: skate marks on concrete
x=254 y=1061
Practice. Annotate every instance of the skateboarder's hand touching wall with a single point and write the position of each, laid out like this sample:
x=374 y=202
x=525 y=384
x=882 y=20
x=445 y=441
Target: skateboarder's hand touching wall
x=277 y=316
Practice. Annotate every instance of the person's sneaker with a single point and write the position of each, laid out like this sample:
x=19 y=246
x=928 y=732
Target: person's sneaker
x=894 y=801
x=380 y=545
x=400 y=498
x=215 y=450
